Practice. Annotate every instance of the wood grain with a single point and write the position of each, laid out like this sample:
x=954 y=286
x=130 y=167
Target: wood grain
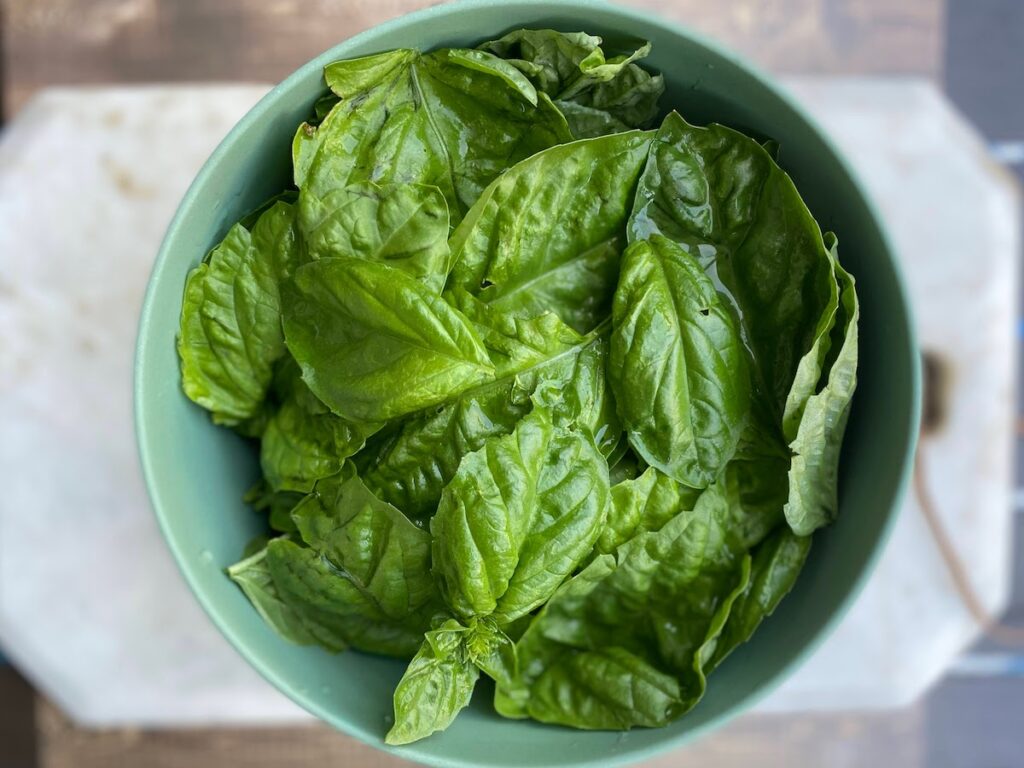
x=793 y=741
x=120 y=41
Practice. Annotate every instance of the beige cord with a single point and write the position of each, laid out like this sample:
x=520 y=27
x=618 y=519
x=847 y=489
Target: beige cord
x=1001 y=633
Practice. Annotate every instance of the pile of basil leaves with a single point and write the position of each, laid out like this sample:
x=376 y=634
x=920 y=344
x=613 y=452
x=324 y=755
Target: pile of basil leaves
x=539 y=394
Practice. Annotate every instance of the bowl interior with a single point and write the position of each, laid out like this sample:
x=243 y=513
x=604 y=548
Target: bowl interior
x=196 y=472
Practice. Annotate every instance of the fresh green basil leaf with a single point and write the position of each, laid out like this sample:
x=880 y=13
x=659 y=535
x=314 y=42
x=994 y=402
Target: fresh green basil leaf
x=363 y=580
x=376 y=547
x=253 y=576
x=605 y=689
x=410 y=465
x=551 y=59
x=545 y=236
x=449 y=121
x=597 y=94
x=515 y=343
x=230 y=333
x=814 y=470
x=304 y=441
x=331 y=608
x=277 y=504
x=433 y=690
x=811 y=366
x=402 y=225
x=721 y=194
x=677 y=364
x=664 y=598
x=641 y=505
x=517 y=518
x=574 y=389
x=588 y=122
x=630 y=99
x=374 y=343
x=488 y=63
x=777 y=562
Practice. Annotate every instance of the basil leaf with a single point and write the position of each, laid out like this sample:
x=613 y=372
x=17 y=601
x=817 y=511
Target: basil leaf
x=777 y=562
x=677 y=365
x=230 y=334
x=304 y=441
x=597 y=94
x=436 y=686
x=253 y=576
x=277 y=504
x=379 y=551
x=514 y=343
x=643 y=504
x=517 y=518
x=663 y=598
x=410 y=465
x=402 y=225
x=364 y=577
x=374 y=344
x=546 y=234
x=443 y=119
x=721 y=194
x=606 y=688
x=814 y=470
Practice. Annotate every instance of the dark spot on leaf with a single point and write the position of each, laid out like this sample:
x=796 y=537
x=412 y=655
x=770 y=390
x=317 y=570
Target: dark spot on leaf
x=485 y=283
x=705 y=311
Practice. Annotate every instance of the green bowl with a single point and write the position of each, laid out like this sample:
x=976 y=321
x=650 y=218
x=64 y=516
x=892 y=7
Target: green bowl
x=197 y=472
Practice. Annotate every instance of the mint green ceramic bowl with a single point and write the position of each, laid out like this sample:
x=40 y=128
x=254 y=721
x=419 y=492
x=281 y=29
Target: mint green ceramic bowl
x=197 y=472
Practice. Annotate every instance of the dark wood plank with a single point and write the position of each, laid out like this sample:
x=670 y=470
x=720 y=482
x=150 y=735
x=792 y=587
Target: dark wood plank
x=130 y=41
x=17 y=720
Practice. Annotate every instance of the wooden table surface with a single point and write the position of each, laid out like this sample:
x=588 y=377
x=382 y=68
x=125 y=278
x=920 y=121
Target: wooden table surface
x=118 y=41
x=49 y=42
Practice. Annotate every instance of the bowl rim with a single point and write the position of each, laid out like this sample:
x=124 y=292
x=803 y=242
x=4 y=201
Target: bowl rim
x=257 y=113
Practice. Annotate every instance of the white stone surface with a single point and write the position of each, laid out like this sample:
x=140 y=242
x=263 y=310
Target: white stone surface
x=91 y=605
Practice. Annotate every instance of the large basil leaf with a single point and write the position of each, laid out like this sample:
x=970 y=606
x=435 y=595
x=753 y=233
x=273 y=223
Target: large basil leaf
x=596 y=93
x=814 y=470
x=643 y=504
x=303 y=441
x=230 y=334
x=374 y=343
x=402 y=225
x=677 y=364
x=436 y=686
x=605 y=688
x=446 y=118
x=409 y=466
x=777 y=561
x=721 y=194
x=253 y=576
x=517 y=518
x=332 y=608
x=663 y=598
x=378 y=549
x=546 y=235
x=364 y=577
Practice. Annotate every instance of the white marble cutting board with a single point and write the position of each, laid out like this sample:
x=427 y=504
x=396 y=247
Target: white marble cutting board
x=92 y=608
